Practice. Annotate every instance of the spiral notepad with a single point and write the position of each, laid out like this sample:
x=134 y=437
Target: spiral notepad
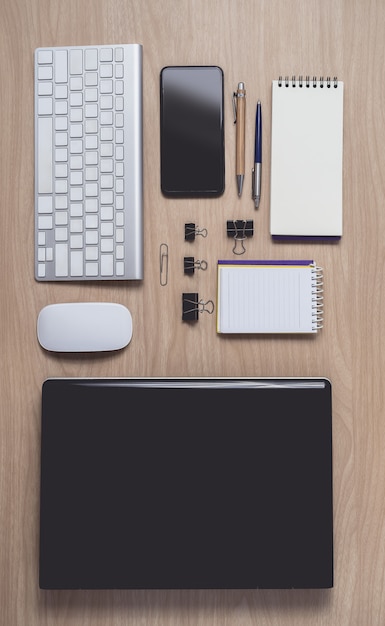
x=269 y=297
x=306 y=158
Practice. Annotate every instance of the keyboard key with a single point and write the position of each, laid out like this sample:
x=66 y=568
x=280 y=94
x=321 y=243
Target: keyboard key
x=92 y=237
x=45 y=106
x=61 y=170
x=76 y=162
x=91 y=95
x=76 y=262
x=105 y=102
x=45 y=204
x=91 y=59
x=76 y=209
x=106 y=229
x=92 y=253
x=45 y=56
x=76 y=146
x=61 y=66
x=61 y=92
x=76 y=130
x=92 y=221
x=91 y=142
x=76 y=226
x=106 y=150
x=76 y=99
x=61 y=107
x=91 y=111
x=105 y=54
x=107 y=265
x=106 y=71
x=61 y=123
x=91 y=190
x=91 y=79
x=61 y=154
x=107 y=213
x=61 y=218
x=76 y=241
x=76 y=83
x=106 y=181
x=119 y=235
x=76 y=61
x=119 y=218
x=91 y=173
x=92 y=205
x=61 y=259
x=92 y=269
x=61 y=202
x=106 y=86
x=107 y=245
x=45 y=222
x=106 y=134
x=76 y=115
x=119 y=55
x=61 y=139
x=61 y=186
x=106 y=197
x=45 y=89
x=119 y=268
x=45 y=73
x=61 y=234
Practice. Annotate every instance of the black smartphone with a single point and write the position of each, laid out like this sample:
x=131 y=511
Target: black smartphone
x=192 y=131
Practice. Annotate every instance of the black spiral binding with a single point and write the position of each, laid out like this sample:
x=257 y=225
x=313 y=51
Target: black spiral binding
x=308 y=82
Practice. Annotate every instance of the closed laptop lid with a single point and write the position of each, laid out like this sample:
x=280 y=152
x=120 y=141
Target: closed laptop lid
x=186 y=483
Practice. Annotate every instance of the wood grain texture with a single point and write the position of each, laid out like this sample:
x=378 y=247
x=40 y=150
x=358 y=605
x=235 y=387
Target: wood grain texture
x=254 y=41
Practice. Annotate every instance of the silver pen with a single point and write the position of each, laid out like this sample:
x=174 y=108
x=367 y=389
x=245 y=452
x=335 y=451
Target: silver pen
x=257 y=169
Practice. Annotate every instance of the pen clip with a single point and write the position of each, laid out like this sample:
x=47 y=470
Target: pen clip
x=240 y=93
x=235 y=96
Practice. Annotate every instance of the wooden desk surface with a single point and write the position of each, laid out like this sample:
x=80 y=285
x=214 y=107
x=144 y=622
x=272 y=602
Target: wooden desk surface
x=253 y=41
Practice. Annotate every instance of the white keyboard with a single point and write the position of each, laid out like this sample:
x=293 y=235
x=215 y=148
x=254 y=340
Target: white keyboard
x=88 y=163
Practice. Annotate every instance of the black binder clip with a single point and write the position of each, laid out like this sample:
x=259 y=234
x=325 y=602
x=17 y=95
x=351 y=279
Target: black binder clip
x=192 y=306
x=190 y=231
x=239 y=230
x=190 y=265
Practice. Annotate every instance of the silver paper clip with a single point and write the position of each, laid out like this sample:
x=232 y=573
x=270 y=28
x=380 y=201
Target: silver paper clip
x=163 y=264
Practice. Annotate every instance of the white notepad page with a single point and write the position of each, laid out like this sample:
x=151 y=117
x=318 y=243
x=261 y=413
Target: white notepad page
x=269 y=299
x=306 y=158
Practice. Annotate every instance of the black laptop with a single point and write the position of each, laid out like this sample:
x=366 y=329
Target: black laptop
x=197 y=483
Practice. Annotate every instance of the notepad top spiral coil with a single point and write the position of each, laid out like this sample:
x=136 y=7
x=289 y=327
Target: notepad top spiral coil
x=307 y=81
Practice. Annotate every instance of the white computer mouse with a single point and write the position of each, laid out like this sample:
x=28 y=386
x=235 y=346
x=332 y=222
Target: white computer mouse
x=84 y=327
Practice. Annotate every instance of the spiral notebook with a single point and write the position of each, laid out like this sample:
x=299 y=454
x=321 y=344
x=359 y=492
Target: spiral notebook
x=269 y=297
x=306 y=158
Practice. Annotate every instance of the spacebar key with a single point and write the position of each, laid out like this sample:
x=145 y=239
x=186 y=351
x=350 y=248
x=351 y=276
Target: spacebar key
x=44 y=154
x=61 y=259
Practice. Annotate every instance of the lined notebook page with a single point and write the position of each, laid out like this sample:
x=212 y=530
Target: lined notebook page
x=267 y=299
x=306 y=159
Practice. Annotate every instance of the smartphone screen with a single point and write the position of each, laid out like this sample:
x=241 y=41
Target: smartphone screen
x=192 y=131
